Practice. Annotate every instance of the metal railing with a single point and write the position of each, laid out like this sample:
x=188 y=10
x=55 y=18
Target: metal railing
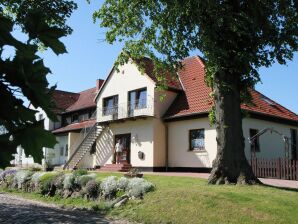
x=144 y=107
x=79 y=140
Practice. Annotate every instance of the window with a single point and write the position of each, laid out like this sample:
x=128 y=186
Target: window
x=110 y=105
x=255 y=144
x=40 y=117
x=66 y=150
x=61 y=151
x=294 y=144
x=83 y=117
x=137 y=99
x=197 y=140
x=74 y=118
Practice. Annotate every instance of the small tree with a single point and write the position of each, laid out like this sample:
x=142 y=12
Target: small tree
x=236 y=38
x=23 y=74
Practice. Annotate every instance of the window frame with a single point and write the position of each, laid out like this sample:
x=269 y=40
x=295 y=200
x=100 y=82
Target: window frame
x=190 y=140
x=115 y=104
x=137 y=98
x=258 y=148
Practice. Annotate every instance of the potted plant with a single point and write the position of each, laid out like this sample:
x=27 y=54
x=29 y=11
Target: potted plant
x=133 y=172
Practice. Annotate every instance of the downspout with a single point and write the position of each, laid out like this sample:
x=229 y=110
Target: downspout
x=167 y=146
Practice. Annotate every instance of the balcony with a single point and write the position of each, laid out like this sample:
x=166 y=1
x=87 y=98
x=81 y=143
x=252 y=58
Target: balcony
x=128 y=110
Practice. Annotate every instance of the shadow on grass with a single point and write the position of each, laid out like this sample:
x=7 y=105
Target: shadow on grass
x=280 y=188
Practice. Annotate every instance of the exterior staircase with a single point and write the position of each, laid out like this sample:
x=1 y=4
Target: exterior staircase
x=115 y=168
x=83 y=145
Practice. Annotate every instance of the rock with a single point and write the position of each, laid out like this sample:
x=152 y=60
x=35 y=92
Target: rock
x=120 y=203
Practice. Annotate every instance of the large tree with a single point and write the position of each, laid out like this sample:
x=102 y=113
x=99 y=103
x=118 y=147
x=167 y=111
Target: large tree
x=236 y=37
x=23 y=73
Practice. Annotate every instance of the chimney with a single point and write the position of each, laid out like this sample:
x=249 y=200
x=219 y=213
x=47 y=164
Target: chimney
x=99 y=83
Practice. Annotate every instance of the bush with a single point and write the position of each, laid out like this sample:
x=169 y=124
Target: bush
x=46 y=184
x=21 y=177
x=69 y=181
x=122 y=183
x=108 y=187
x=7 y=177
x=81 y=181
x=137 y=187
x=80 y=172
x=91 y=190
x=35 y=179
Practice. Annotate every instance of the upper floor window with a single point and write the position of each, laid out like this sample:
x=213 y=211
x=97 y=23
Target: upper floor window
x=137 y=99
x=197 y=139
x=75 y=118
x=255 y=144
x=83 y=117
x=110 y=105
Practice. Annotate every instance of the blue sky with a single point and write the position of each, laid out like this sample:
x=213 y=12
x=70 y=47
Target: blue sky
x=90 y=58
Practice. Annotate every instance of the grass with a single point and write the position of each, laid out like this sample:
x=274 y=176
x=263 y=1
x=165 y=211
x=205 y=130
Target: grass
x=191 y=200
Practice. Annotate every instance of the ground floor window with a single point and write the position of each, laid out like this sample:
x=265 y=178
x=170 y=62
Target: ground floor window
x=294 y=144
x=197 y=139
x=61 y=151
x=255 y=143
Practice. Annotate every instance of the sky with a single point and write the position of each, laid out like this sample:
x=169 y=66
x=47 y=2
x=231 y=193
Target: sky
x=90 y=58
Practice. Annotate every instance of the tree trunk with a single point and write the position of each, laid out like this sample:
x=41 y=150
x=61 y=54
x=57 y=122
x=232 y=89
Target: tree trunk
x=230 y=164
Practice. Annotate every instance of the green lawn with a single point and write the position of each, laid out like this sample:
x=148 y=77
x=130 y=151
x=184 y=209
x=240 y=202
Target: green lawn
x=191 y=200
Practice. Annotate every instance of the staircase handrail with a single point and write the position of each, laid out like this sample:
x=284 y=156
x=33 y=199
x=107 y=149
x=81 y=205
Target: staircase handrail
x=80 y=143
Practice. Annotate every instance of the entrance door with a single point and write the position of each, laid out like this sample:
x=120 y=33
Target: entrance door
x=125 y=142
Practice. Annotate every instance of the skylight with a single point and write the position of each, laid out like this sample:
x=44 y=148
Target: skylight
x=267 y=101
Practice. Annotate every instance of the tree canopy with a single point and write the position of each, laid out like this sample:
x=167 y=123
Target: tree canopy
x=236 y=38
x=23 y=75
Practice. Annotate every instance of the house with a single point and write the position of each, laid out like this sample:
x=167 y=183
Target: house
x=173 y=134
x=75 y=115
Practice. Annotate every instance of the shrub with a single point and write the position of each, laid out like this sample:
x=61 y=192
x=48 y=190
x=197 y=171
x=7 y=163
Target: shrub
x=35 y=179
x=80 y=172
x=69 y=181
x=58 y=181
x=46 y=184
x=137 y=187
x=91 y=189
x=7 y=176
x=122 y=183
x=108 y=187
x=81 y=181
x=21 y=177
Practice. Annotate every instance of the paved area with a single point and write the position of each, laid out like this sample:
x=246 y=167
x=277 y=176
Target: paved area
x=18 y=210
x=267 y=181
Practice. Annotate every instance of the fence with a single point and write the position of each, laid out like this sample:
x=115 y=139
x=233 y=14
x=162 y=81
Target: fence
x=279 y=168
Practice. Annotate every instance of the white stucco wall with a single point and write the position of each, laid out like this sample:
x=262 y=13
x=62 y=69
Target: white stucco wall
x=271 y=145
x=178 y=144
x=141 y=140
x=128 y=78
x=53 y=155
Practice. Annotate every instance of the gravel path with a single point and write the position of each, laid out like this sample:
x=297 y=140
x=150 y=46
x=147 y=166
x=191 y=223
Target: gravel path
x=14 y=209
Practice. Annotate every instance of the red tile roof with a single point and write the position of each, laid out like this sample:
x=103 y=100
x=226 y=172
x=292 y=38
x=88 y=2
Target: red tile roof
x=171 y=81
x=75 y=126
x=63 y=100
x=68 y=101
x=195 y=97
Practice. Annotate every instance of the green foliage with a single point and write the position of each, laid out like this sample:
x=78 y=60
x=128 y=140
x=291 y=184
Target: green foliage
x=23 y=75
x=81 y=181
x=21 y=177
x=236 y=38
x=69 y=181
x=80 y=172
x=92 y=189
x=46 y=183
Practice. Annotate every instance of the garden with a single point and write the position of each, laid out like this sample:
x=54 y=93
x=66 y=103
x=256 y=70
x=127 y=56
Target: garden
x=110 y=191
x=155 y=199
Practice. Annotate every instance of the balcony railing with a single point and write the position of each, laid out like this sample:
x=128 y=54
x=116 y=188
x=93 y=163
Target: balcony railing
x=131 y=109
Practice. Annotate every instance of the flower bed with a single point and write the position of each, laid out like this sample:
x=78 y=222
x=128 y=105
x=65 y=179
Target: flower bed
x=76 y=184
